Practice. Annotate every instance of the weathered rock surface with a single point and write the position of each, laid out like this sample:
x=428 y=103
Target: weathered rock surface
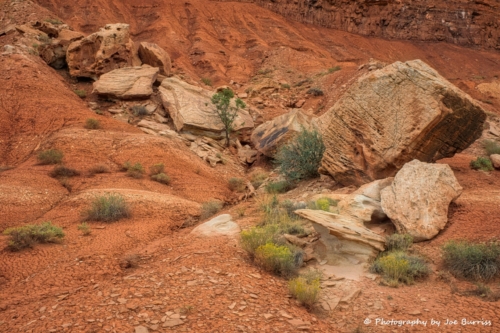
x=221 y=225
x=153 y=55
x=495 y=159
x=491 y=89
x=417 y=201
x=269 y=136
x=344 y=235
x=391 y=116
x=54 y=53
x=192 y=111
x=101 y=52
x=127 y=83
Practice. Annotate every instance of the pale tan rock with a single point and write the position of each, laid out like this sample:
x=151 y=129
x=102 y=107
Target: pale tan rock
x=152 y=125
x=221 y=225
x=155 y=56
x=491 y=89
x=127 y=83
x=391 y=116
x=269 y=136
x=101 y=52
x=192 y=111
x=417 y=201
x=495 y=159
x=70 y=35
x=54 y=53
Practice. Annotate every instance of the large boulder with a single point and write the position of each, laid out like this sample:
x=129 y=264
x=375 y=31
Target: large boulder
x=101 y=52
x=127 y=83
x=192 y=111
x=391 y=116
x=417 y=201
x=153 y=55
x=54 y=53
x=269 y=136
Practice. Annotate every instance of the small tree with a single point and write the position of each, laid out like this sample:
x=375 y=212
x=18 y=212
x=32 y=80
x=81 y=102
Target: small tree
x=227 y=113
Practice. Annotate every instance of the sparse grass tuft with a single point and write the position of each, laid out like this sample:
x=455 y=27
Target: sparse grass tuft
x=206 y=81
x=237 y=184
x=161 y=178
x=285 y=86
x=92 y=123
x=107 y=208
x=51 y=156
x=81 y=93
x=306 y=288
x=136 y=171
x=491 y=147
x=399 y=242
x=156 y=169
x=101 y=168
x=29 y=235
x=482 y=163
x=334 y=69
x=139 y=110
x=398 y=266
x=210 y=208
x=315 y=92
x=85 y=229
x=278 y=187
x=258 y=178
x=474 y=261
x=64 y=172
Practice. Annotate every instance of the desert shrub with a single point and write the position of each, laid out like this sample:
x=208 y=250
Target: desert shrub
x=65 y=172
x=278 y=187
x=136 y=171
x=258 y=178
x=482 y=163
x=101 y=168
x=237 y=184
x=306 y=288
x=206 y=81
x=334 y=69
x=285 y=86
x=81 y=93
x=300 y=159
x=29 y=235
x=107 y=208
x=276 y=259
x=475 y=261
x=84 y=228
x=210 y=208
x=315 y=91
x=399 y=242
x=255 y=237
x=161 y=178
x=51 y=156
x=139 y=110
x=398 y=266
x=491 y=147
x=92 y=123
x=156 y=169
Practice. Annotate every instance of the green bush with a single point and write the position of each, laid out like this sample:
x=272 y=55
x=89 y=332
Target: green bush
x=107 y=208
x=136 y=171
x=278 y=187
x=301 y=158
x=306 y=288
x=210 y=208
x=237 y=184
x=475 y=261
x=491 y=147
x=276 y=259
x=161 y=178
x=92 y=123
x=156 y=169
x=398 y=266
x=399 y=242
x=81 y=93
x=482 y=163
x=315 y=92
x=84 y=228
x=51 y=156
x=62 y=171
x=255 y=237
x=29 y=235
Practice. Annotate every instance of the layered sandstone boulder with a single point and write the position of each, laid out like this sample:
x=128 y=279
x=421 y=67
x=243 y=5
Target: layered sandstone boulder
x=269 y=136
x=127 y=83
x=192 y=111
x=101 y=52
x=417 y=201
x=153 y=55
x=391 y=116
x=54 y=53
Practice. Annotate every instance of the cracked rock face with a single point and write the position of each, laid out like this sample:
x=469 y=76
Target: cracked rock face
x=391 y=116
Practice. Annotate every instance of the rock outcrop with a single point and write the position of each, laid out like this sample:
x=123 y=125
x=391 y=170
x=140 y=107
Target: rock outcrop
x=153 y=55
x=221 y=225
x=417 y=201
x=391 y=116
x=101 y=52
x=192 y=111
x=270 y=135
x=467 y=23
x=54 y=53
x=491 y=89
x=127 y=83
